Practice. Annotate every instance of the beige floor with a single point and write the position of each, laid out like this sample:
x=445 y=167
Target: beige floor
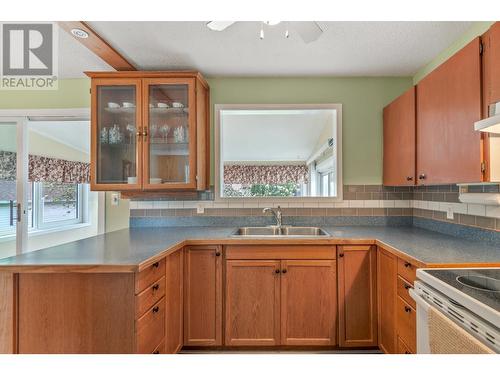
x=367 y=351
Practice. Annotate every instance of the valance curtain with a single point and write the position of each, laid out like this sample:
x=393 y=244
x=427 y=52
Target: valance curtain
x=265 y=174
x=45 y=169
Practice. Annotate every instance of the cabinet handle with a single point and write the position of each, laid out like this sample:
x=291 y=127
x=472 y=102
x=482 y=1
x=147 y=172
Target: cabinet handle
x=407 y=265
x=156 y=309
x=422 y=176
x=217 y=254
x=156 y=265
x=409 y=178
x=283 y=271
x=407 y=309
x=277 y=271
x=156 y=352
x=341 y=255
x=156 y=286
x=407 y=287
x=139 y=133
x=407 y=352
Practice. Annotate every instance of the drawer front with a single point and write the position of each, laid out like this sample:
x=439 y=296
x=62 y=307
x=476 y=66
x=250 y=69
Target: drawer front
x=160 y=349
x=407 y=270
x=149 y=275
x=272 y=252
x=402 y=348
x=151 y=328
x=406 y=324
x=404 y=287
x=149 y=296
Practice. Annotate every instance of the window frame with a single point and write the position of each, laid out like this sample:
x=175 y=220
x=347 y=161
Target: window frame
x=269 y=200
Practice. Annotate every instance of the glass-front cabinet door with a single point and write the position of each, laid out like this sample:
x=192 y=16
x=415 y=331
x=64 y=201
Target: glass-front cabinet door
x=170 y=133
x=116 y=134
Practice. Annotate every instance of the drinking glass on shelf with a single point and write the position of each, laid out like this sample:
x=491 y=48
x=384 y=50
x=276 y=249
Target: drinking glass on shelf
x=164 y=132
x=104 y=135
x=154 y=131
x=131 y=132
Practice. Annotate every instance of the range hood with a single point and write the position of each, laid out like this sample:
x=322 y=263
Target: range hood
x=492 y=123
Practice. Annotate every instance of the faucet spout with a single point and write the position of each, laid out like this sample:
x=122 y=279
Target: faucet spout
x=277 y=215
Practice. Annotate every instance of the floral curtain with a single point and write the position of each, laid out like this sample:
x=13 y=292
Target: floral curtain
x=46 y=169
x=265 y=174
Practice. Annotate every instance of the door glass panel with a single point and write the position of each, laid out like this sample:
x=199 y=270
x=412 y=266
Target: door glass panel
x=8 y=195
x=169 y=134
x=116 y=135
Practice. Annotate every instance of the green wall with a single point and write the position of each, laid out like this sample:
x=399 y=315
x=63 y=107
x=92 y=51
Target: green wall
x=478 y=28
x=362 y=99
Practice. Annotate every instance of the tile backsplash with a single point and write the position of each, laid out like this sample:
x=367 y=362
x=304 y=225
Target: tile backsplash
x=360 y=201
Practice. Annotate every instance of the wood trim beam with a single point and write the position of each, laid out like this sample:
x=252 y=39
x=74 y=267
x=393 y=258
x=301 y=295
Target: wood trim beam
x=97 y=45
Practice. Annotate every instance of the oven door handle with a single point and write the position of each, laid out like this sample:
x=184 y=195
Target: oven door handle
x=419 y=300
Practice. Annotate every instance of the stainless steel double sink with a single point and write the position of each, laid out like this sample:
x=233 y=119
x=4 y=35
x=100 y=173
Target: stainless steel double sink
x=275 y=231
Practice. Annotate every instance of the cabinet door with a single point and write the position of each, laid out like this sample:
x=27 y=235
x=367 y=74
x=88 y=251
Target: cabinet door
x=387 y=294
x=169 y=106
x=174 y=302
x=357 y=296
x=491 y=66
x=252 y=303
x=448 y=104
x=308 y=302
x=202 y=296
x=116 y=147
x=399 y=141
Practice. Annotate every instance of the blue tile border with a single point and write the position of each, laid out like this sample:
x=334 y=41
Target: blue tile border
x=458 y=230
x=238 y=221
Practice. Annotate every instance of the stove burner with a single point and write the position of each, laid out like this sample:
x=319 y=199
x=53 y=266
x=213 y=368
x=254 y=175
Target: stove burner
x=487 y=284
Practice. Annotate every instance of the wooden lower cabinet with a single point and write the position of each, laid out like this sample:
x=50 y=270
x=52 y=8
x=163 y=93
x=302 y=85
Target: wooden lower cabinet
x=174 y=336
x=387 y=294
x=357 y=269
x=203 y=296
x=280 y=302
x=308 y=302
x=252 y=303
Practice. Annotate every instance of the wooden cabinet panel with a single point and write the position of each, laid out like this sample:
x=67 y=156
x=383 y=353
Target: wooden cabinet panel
x=202 y=296
x=308 y=302
x=406 y=326
x=387 y=294
x=252 y=303
x=491 y=66
x=399 y=140
x=280 y=252
x=8 y=300
x=151 y=328
x=402 y=348
x=407 y=269
x=357 y=295
x=149 y=296
x=70 y=313
x=448 y=104
x=174 y=302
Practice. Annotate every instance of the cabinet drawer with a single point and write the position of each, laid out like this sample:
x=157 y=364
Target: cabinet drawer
x=407 y=270
x=160 y=349
x=151 y=328
x=404 y=287
x=149 y=275
x=406 y=324
x=272 y=252
x=149 y=296
x=402 y=348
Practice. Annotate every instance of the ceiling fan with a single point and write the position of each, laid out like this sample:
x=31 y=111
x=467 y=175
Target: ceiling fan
x=309 y=31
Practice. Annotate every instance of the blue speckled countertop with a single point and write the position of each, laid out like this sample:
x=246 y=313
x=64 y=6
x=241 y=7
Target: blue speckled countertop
x=128 y=249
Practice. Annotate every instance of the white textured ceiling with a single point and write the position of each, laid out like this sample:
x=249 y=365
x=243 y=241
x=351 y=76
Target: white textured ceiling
x=344 y=49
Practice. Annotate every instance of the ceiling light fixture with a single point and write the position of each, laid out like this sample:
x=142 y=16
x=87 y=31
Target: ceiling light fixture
x=272 y=23
x=262 y=30
x=79 y=33
x=219 y=25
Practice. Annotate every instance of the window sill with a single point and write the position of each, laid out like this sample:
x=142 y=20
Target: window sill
x=41 y=232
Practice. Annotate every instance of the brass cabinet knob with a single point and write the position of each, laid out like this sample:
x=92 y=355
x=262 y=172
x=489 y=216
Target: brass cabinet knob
x=156 y=286
x=156 y=309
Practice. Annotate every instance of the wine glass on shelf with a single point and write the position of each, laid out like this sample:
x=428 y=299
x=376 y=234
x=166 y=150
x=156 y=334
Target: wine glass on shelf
x=131 y=132
x=164 y=129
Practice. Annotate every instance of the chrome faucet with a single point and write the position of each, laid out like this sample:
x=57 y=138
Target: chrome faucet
x=277 y=215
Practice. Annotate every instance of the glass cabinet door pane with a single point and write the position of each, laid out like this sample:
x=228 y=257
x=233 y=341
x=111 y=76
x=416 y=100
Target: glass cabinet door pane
x=169 y=134
x=116 y=135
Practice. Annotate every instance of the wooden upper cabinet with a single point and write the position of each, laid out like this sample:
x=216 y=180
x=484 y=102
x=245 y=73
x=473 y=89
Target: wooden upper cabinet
x=448 y=103
x=150 y=131
x=202 y=296
x=308 y=302
x=252 y=303
x=399 y=140
x=357 y=269
x=491 y=67
x=387 y=295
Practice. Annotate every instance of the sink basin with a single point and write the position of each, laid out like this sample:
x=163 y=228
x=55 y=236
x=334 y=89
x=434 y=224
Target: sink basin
x=273 y=231
x=480 y=282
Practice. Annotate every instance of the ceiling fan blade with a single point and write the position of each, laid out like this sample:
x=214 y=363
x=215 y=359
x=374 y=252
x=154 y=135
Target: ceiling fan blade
x=309 y=31
x=219 y=25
